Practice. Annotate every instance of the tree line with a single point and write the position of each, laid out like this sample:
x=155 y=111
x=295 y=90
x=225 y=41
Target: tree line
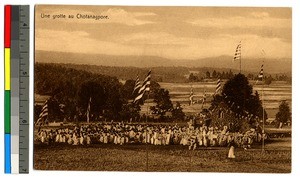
x=72 y=92
x=198 y=77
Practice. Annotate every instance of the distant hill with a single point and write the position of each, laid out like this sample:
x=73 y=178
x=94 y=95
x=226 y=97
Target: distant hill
x=271 y=66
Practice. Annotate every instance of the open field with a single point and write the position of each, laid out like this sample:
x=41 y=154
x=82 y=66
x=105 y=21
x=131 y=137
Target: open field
x=273 y=94
x=132 y=157
x=109 y=157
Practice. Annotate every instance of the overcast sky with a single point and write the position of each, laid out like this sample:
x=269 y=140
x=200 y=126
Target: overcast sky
x=169 y=32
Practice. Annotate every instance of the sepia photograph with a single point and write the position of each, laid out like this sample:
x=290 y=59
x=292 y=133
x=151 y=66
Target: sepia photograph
x=162 y=89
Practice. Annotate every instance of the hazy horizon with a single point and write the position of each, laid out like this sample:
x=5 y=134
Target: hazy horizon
x=248 y=64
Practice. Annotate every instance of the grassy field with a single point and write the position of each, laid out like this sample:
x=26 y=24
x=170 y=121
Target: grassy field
x=273 y=94
x=275 y=159
x=108 y=157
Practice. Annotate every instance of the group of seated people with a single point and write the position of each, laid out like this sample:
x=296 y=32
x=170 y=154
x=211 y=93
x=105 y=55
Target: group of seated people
x=123 y=134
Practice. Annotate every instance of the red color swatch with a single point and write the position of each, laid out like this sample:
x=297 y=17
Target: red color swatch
x=7 y=25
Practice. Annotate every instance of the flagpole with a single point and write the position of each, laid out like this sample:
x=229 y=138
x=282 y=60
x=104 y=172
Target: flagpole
x=204 y=96
x=263 y=131
x=241 y=58
x=147 y=132
x=148 y=106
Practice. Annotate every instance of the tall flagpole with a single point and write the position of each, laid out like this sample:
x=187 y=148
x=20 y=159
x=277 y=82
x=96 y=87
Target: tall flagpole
x=240 y=57
x=147 y=131
x=263 y=131
x=204 y=97
x=148 y=106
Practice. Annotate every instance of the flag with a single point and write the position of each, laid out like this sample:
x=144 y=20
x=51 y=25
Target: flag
x=144 y=87
x=261 y=73
x=44 y=113
x=191 y=96
x=137 y=85
x=237 y=55
x=88 y=111
x=139 y=96
x=146 y=83
x=218 y=88
x=147 y=80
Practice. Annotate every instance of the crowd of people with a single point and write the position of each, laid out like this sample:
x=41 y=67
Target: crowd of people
x=123 y=134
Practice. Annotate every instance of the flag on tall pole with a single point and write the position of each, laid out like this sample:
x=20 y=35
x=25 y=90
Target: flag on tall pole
x=88 y=111
x=238 y=54
x=147 y=84
x=261 y=77
x=44 y=114
x=261 y=73
x=144 y=87
x=137 y=85
x=218 y=88
x=140 y=95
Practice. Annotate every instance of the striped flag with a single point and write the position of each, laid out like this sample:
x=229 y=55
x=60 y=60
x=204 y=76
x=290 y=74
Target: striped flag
x=146 y=83
x=137 y=85
x=261 y=73
x=237 y=55
x=218 y=88
x=139 y=96
x=44 y=113
x=144 y=87
x=88 y=110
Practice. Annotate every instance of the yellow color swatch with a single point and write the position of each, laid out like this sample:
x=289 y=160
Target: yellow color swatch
x=7 y=68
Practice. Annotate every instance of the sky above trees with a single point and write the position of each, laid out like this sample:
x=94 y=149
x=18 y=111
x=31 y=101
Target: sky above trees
x=169 y=32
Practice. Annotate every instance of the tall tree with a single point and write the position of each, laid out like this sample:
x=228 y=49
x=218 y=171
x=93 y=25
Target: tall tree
x=238 y=91
x=284 y=114
x=238 y=95
x=163 y=102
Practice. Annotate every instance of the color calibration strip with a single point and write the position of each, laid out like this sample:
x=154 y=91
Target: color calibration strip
x=16 y=117
x=7 y=119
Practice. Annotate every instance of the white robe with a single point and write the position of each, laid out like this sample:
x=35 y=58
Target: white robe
x=81 y=140
x=75 y=139
x=231 y=152
x=88 y=140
